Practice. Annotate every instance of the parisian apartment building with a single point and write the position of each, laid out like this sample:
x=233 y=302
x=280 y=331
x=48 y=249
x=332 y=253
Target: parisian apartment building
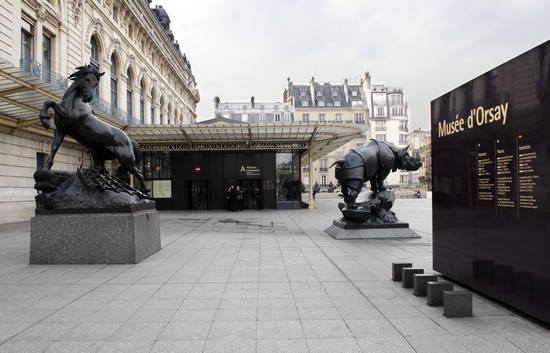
x=425 y=152
x=148 y=80
x=381 y=108
x=418 y=139
x=252 y=112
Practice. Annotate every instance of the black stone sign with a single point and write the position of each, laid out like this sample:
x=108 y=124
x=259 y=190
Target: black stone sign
x=491 y=183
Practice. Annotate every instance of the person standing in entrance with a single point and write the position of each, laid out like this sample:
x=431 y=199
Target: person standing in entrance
x=240 y=198
x=259 y=198
x=233 y=199
x=228 y=198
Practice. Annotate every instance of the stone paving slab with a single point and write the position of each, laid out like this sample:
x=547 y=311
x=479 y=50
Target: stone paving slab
x=249 y=281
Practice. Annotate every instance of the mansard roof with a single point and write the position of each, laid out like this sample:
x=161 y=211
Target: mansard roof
x=327 y=93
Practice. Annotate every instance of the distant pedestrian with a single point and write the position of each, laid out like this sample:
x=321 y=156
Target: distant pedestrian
x=240 y=198
x=228 y=197
x=233 y=199
x=259 y=198
x=316 y=189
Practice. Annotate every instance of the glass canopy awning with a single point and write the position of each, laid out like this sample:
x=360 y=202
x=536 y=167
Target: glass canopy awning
x=224 y=134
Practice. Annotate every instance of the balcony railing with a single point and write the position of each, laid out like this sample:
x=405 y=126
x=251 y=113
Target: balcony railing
x=102 y=105
x=380 y=128
x=43 y=73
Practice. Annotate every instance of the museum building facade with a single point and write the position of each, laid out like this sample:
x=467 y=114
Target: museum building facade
x=147 y=80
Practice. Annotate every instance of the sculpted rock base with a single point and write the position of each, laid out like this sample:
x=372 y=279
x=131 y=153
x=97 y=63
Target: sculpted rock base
x=372 y=208
x=86 y=191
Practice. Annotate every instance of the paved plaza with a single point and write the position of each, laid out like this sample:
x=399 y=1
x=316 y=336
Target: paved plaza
x=248 y=281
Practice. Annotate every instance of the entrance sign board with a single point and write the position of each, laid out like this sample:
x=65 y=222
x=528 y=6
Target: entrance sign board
x=491 y=183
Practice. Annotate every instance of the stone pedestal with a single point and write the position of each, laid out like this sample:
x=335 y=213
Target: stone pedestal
x=435 y=292
x=407 y=276
x=420 y=284
x=341 y=229
x=457 y=303
x=94 y=238
x=397 y=270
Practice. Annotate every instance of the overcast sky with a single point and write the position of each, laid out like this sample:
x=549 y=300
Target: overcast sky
x=244 y=48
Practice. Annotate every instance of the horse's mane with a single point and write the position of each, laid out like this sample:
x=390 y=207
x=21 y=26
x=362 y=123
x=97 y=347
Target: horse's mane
x=86 y=69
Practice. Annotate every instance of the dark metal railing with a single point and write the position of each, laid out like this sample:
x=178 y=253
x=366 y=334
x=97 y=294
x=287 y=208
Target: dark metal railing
x=99 y=103
x=43 y=73
x=47 y=75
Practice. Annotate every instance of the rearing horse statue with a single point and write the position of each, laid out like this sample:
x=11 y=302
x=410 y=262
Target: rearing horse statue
x=74 y=117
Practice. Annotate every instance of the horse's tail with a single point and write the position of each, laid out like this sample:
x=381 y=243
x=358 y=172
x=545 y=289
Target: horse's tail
x=137 y=152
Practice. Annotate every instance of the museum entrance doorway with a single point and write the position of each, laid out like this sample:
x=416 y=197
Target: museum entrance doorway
x=248 y=186
x=197 y=194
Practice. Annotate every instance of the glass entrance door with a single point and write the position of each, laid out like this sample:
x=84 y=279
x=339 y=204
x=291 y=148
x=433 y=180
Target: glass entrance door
x=248 y=186
x=197 y=194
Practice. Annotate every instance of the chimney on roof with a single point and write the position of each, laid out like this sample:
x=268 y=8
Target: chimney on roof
x=346 y=88
x=216 y=102
x=252 y=101
x=285 y=95
x=312 y=90
x=366 y=81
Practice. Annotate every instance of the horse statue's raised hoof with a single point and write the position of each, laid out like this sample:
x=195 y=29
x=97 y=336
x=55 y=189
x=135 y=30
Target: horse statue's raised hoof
x=45 y=120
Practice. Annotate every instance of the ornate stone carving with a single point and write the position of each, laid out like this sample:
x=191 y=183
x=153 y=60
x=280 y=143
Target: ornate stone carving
x=115 y=45
x=41 y=13
x=76 y=7
x=130 y=61
x=95 y=26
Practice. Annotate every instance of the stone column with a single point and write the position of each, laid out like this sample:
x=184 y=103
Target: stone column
x=311 y=202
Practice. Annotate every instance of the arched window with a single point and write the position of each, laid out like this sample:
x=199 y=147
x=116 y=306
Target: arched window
x=114 y=85
x=152 y=107
x=161 y=111
x=129 y=85
x=141 y=102
x=94 y=55
x=94 y=60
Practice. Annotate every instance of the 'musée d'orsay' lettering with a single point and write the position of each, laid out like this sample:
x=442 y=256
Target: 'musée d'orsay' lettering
x=478 y=117
x=452 y=127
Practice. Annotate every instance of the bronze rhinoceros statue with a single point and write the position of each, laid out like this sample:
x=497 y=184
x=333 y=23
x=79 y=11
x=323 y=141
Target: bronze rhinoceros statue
x=372 y=162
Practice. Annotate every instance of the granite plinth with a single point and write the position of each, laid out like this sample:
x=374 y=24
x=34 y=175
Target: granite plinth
x=420 y=284
x=95 y=238
x=435 y=292
x=341 y=229
x=407 y=276
x=397 y=270
x=457 y=303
